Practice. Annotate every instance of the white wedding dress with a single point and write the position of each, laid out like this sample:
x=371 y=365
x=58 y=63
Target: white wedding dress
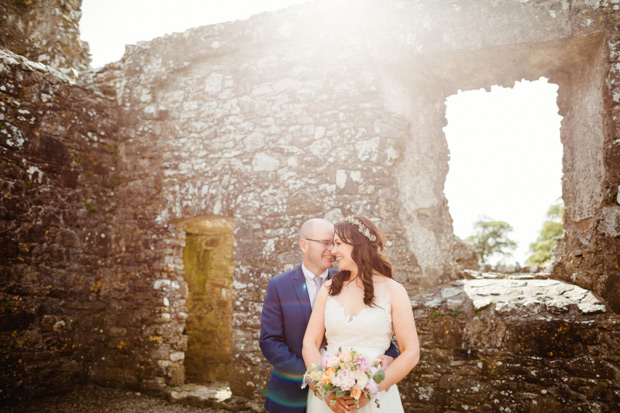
x=370 y=333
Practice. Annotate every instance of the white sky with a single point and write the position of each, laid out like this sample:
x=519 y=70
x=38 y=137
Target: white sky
x=505 y=158
x=108 y=25
x=506 y=155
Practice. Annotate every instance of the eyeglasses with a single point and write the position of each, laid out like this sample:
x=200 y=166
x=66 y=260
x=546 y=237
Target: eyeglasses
x=325 y=243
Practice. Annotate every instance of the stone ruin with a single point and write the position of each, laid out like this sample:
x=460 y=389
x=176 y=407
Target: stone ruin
x=146 y=204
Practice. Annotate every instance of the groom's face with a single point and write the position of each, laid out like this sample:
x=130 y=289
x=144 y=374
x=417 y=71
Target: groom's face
x=316 y=249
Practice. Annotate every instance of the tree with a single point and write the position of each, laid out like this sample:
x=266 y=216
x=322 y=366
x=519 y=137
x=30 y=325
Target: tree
x=552 y=229
x=490 y=237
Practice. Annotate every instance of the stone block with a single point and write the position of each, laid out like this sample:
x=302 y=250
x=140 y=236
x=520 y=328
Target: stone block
x=609 y=223
x=154 y=383
x=160 y=354
x=177 y=355
x=176 y=375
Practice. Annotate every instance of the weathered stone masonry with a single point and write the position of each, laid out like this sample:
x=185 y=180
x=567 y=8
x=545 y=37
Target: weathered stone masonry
x=56 y=227
x=268 y=148
x=45 y=31
x=252 y=127
x=495 y=343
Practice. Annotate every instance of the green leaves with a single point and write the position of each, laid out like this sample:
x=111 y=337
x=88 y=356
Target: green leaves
x=379 y=376
x=490 y=237
x=552 y=230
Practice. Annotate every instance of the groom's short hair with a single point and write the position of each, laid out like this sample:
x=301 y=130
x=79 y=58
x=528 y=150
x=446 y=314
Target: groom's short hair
x=308 y=226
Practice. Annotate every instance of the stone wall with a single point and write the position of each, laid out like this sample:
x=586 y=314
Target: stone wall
x=591 y=249
x=271 y=123
x=45 y=31
x=58 y=147
x=258 y=137
x=425 y=59
x=514 y=345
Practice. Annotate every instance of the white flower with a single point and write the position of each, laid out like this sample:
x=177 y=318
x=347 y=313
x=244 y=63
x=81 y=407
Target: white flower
x=361 y=378
x=315 y=376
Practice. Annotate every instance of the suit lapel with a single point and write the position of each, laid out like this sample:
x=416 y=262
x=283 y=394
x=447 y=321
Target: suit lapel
x=301 y=289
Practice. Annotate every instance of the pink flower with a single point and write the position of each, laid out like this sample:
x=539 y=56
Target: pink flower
x=344 y=379
x=371 y=386
x=364 y=364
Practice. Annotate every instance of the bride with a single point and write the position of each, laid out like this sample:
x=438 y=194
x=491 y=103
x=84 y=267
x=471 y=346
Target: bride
x=361 y=308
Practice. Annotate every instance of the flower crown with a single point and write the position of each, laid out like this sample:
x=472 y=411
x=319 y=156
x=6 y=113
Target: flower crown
x=361 y=227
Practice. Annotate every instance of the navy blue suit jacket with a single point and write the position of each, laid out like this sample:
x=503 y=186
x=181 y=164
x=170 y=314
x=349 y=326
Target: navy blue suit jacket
x=284 y=319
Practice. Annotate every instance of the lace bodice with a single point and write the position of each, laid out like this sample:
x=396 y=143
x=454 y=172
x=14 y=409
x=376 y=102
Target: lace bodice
x=369 y=332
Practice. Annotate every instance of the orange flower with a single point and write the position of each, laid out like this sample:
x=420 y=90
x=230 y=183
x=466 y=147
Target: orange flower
x=356 y=393
x=328 y=375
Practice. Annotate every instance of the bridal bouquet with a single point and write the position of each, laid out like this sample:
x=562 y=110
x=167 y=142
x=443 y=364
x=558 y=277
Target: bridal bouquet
x=347 y=373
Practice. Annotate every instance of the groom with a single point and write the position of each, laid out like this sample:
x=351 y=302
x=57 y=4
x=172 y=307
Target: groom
x=285 y=315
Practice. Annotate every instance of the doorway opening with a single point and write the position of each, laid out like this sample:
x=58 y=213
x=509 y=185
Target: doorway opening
x=208 y=271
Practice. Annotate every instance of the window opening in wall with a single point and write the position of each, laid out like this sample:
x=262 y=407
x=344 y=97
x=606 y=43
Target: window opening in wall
x=208 y=262
x=505 y=160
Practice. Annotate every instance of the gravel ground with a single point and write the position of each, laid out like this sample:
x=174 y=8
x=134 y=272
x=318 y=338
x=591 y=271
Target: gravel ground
x=102 y=399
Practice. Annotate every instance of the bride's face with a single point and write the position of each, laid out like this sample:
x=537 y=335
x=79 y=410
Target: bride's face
x=342 y=254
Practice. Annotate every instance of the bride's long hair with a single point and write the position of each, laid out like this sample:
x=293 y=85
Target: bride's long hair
x=366 y=254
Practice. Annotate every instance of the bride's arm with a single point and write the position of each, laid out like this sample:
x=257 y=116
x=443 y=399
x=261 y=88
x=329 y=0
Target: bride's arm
x=407 y=337
x=315 y=330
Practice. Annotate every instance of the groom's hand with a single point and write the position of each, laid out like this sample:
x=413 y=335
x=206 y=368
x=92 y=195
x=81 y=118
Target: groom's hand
x=385 y=361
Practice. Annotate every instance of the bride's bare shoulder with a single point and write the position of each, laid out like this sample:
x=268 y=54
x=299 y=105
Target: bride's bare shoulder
x=377 y=277
x=394 y=286
x=386 y=285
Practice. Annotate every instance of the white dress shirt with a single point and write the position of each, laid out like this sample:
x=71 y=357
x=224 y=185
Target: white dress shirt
x=312 y=290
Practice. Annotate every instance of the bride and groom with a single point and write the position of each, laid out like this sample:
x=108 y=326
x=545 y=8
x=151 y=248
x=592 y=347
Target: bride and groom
x=360 y=307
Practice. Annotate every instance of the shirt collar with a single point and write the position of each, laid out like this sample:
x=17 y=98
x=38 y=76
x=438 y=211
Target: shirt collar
x=309 y=276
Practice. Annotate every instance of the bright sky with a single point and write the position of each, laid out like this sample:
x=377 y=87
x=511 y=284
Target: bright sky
x=108 y=25
x=505 y=158
x=506 y=155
